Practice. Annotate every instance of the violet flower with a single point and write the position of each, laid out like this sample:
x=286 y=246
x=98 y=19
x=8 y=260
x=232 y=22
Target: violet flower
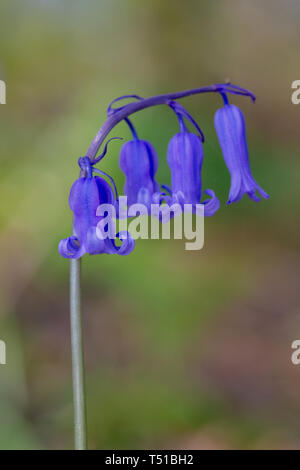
x=185 y=158
x=86 y=195
x=139 y=163
x=231 y=130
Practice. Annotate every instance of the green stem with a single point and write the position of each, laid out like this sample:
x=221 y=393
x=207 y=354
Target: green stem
x=77 y=356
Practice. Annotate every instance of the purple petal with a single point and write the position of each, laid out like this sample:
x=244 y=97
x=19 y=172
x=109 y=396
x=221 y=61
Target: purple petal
x=85 y=197
x=71 y=248
x=185 y=157
x=139 y=162
x=125 y=249
x=211 y=206
x=178 y=198
x=144 y=197
x=93 y=244
x=231 y=130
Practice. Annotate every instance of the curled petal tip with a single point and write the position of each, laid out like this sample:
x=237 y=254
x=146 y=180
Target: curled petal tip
x=125 y=249
x=70 y=248
x=252 y=195
x=211 y=206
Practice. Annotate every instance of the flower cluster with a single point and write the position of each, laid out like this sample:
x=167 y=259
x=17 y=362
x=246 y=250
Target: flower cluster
x=139 y=163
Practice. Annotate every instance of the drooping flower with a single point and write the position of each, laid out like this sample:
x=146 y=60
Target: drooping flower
x=139 y=163
x=231 y=130
x=185 y=157
x=86 y=195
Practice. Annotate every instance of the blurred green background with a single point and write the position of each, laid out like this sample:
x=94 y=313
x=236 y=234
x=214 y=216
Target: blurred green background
x=183 y=349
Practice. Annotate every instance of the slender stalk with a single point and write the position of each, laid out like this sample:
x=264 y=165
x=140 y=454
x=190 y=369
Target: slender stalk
x=80 y=436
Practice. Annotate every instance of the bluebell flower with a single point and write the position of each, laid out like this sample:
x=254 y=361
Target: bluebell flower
x=139 y=163
x=231 y=130
x=185 y=157
x=86 y=195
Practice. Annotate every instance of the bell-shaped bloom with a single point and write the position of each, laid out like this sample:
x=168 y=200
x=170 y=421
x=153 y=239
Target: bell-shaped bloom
x=86 y=195
x=185 y=158
x=139 y=162
x=231 y=130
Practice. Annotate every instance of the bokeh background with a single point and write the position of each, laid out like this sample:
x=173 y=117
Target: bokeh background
x=187 y=350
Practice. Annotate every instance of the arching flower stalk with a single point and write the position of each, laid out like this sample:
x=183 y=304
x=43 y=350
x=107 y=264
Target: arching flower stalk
x=139 y=163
